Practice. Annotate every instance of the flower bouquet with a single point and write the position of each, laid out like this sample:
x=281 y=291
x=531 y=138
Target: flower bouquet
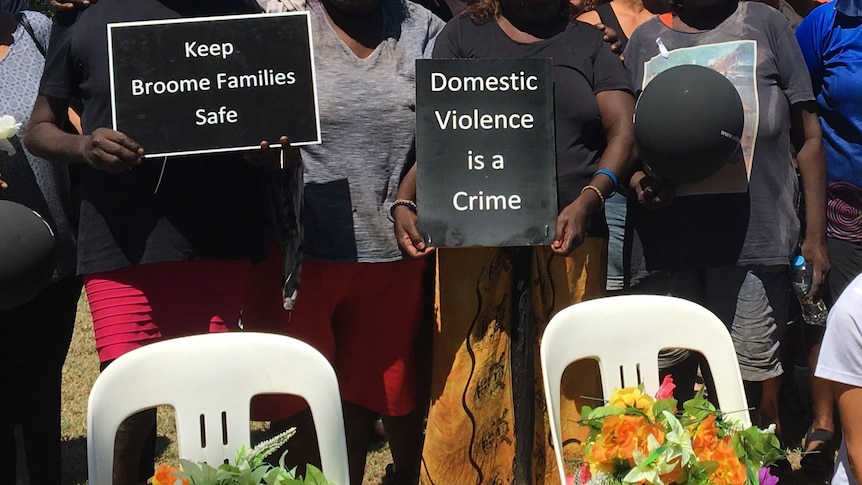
x=249 y=469
x=636 y=439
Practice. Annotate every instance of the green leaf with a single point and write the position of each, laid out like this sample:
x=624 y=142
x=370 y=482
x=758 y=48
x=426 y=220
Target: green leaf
x=698 y=407
x=314 y=476
x=604 y=411
x=668 y=405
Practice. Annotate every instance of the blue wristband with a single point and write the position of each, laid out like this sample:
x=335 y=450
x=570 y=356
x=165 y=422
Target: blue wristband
x=609 y=174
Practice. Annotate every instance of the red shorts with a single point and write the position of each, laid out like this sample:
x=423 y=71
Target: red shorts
x=140 y=304
x=362 y=316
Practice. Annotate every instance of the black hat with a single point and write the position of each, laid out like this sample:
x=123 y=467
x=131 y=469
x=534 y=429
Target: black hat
x=26 y=254
x=688 y=123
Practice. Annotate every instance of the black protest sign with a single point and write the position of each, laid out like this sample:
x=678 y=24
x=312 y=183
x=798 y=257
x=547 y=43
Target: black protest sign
x=214 y=84
x=485 y=152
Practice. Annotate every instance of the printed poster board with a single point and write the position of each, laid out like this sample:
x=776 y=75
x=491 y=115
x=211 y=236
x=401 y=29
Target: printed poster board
x=485 y=152
x=214 y=84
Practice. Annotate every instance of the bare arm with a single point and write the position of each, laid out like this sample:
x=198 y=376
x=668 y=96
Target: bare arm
x=407 y=233
x=617 y=110
x=811 y=157
x=849 y=400
x=104 y=149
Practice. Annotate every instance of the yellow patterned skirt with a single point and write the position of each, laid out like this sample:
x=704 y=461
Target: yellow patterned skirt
x=487 y=421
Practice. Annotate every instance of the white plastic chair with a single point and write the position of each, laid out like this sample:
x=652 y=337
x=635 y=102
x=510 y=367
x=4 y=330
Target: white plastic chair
x=624 y=334
x=209 y=381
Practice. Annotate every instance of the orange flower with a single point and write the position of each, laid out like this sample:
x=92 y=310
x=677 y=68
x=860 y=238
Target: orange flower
x=620 y=436
x=705 y=436
x=165 y=476
x=730 y=471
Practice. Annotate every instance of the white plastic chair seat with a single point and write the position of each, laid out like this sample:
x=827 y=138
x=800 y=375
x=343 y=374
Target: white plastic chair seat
x=209 y=380
x=624 y=335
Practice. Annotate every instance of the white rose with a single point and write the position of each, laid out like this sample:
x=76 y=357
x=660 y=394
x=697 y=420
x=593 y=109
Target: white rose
x=8 y=128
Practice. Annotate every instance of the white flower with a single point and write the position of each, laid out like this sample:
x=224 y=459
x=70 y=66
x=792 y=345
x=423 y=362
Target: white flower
x=678 y=439
x=8 y=128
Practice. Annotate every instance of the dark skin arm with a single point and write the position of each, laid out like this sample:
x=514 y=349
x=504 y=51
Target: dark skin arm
x=617 y=109
x=811 y=158
x=105 y=149
x=407 y=233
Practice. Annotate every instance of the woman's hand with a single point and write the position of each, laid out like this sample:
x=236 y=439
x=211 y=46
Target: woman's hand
x=815 y=254
x=572 y=224
x=111 y=151
x=269 y=158
x=407 y=234
x=652 y=191
x=612 y=38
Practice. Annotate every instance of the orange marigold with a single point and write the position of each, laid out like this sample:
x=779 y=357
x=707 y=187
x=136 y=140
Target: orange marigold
x=165 y=476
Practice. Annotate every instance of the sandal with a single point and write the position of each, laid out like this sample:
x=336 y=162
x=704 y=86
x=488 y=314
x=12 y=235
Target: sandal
x=819 y=460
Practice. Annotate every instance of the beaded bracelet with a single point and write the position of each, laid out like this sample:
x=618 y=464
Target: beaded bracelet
x=406 y=203
x=609 y=174
x=598 y=192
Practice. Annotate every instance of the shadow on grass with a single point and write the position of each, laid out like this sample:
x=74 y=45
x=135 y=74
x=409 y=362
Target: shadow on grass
x=74 y=452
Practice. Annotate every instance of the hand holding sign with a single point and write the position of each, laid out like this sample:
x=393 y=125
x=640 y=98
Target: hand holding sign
x=111 y=151
x=284 y=158
x=407 y=234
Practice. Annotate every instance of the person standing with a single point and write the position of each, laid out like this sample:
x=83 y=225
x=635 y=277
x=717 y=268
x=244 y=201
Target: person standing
x=829 y=38
x=726 y=242
x=486 y=422
x=360 y=302
x=165 y=245
x=37 y=333
x=840 y=366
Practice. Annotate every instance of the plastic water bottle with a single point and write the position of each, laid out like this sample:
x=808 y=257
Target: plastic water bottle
x=813 y=311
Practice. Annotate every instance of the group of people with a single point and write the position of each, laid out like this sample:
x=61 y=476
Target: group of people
x=326 y=246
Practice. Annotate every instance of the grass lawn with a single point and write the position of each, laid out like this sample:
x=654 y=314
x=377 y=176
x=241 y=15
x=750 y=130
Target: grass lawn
x=79 y=373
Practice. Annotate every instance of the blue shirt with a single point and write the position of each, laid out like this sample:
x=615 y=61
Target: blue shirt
x=831 y=44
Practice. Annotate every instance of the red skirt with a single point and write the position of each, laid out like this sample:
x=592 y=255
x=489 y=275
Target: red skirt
x=140 y=304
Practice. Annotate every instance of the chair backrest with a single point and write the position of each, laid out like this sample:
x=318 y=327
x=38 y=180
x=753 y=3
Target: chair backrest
x=624 y=335
x=209 y=381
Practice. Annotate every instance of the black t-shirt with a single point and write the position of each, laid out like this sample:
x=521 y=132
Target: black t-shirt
x=167 y=209
x=583 y=65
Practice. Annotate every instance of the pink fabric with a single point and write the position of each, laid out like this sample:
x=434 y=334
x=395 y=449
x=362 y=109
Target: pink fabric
x=140 y=304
